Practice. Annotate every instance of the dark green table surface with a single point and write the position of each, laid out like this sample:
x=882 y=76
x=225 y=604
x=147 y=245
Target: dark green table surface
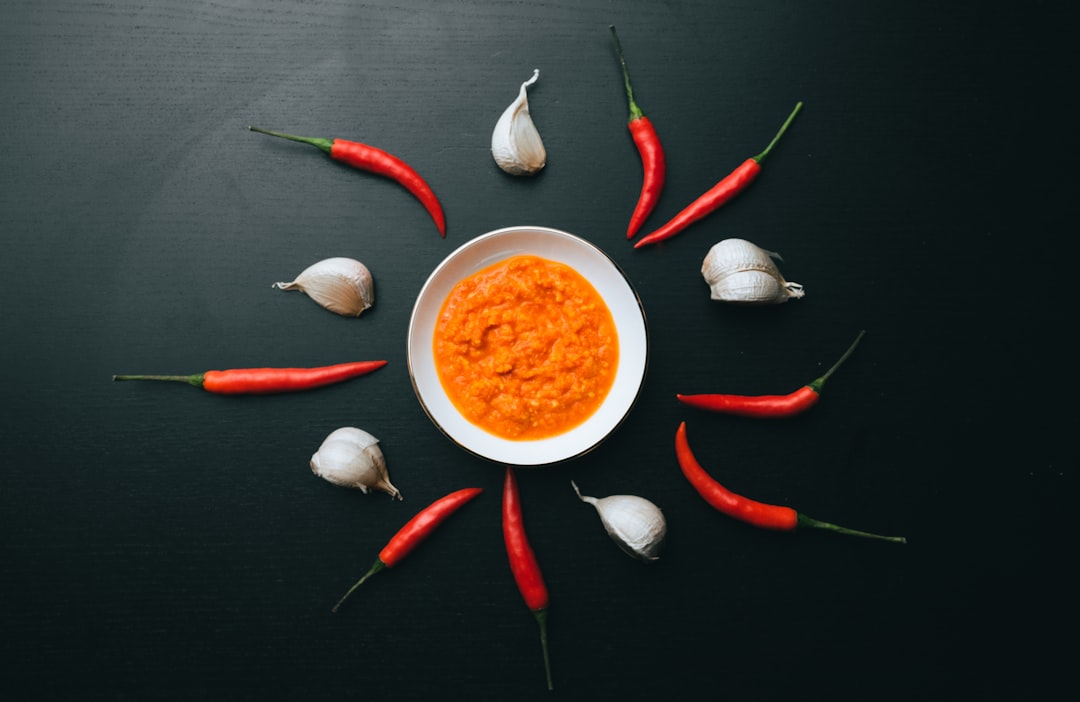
x=161 y=543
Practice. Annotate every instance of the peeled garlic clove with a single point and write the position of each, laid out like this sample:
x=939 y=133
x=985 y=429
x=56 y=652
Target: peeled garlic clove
x=634 y=523
x=341 y=285
x=515 y=142
x=351 y=458
x=740 y=272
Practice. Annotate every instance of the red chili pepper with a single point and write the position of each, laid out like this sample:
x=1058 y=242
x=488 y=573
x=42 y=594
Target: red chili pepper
x=653 y=163
x=768 y=406
x=523 y=565
x=759 y=514
x=415 y=531
x=368 y=158
x=262 y=381
x=732 y=184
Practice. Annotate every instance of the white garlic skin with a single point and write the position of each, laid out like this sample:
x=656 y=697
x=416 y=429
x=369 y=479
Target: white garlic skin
x=740 y=272
x=637 y=525
x=515 y=142
x=342 y=285
x=351 y=458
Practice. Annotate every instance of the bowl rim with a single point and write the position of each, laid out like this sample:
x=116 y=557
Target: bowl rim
x=579 y=441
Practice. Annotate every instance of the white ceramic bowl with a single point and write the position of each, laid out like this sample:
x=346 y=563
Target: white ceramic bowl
x=554 y=245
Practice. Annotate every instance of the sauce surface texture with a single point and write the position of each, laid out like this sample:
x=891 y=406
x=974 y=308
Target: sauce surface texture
x=526 y=349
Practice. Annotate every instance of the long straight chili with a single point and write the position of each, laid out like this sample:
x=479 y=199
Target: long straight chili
x=523 y=564
x=415 y=531
x=375 y=160
x=651 y=151
x=263 y=381
x=719 y=194
x=768 y=406
x=759 y=514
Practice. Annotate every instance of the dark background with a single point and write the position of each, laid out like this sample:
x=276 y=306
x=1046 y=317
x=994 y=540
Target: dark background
x=159 y=542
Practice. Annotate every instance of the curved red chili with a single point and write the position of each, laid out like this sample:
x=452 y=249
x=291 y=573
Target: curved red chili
x=759 y=514
x=653 y=161
x=415 y=531
x=768 y=406
x=263 y=381
x=374 y=160
x=523 y=565
x=716 y=196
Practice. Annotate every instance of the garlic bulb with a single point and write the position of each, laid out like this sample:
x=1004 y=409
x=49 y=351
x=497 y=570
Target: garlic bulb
x=341 y=285
x=742 y=273
x=516 y=143
x=635 y=524
x=351 y=457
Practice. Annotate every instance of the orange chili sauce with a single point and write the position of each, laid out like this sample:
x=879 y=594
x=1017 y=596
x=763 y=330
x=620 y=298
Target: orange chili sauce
x=526 y=348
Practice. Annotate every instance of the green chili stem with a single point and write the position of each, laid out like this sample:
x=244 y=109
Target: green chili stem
x=196 y=380
x=761 y=157
x=805 y=521
x=323 y=144
x=635 y=111
x=818 y=383
x=379 y=565
x=541 y=618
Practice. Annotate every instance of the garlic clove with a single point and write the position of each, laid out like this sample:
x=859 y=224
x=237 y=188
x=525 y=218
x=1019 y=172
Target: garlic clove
x=740 y=272
x=515 y=141
x=341 y=285
x=351 y=458
x=353 y=435
x=635 y=524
